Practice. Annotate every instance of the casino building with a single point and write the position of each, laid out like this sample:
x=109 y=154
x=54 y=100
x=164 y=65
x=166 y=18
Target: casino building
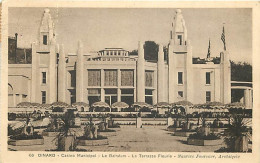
x=112 y=75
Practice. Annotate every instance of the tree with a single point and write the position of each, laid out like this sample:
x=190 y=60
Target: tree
x=134 y=52
x=151 y=50
x=241 y=71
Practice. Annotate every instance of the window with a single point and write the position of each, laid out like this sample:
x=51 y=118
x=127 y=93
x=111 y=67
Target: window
x=180 y=80
x=208 y=96
x=207 y=77
x=110 y=78
x=127 y=78
x=43 y=97
x=149 y=96
x=149 y=78
x=44 y=41
x=110 y=96
x=180 y=39
x=72 y=96
x=43 y=77
x=127 y=96
x=93 y=96
x=180 y=94
x=94 y=78
x=72 y=78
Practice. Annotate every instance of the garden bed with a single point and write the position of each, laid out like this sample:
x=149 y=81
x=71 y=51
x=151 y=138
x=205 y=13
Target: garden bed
x=100 y=140
x=174 y=129
x=217 y=129
x=202 y=142
x=183 y=133
x=27 y=142
x=50 y=133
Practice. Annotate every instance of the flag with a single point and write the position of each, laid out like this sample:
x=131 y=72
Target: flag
x=223 y=38
x=208 y=55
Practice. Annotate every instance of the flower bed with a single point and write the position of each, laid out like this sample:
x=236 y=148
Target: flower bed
x=173 y=129
x=26 y=140
x=183 y=133
x=203 y=140
x=50 y=133
x=217 y=130
x=100 y=140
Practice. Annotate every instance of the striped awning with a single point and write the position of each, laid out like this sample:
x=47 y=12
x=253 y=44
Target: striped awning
x=142 y=105
x=119 y=105
x=162 y=105
x=100 y=104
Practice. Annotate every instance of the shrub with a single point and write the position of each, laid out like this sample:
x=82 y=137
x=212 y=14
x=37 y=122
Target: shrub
x=99 y=137
x=12 y=131
x=11 y=116
x=107 y=130
x=35 y=135
x=211 y=136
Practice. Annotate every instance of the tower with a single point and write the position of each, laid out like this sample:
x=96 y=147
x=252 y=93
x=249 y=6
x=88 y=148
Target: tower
x=180 y=61
x=161 y=87
x=44 y=59
x=62 y=75
x=140 y=73
x=225 y=78
x=79 y=73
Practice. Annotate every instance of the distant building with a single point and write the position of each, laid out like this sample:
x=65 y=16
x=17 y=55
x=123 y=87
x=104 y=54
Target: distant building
x=112 y=74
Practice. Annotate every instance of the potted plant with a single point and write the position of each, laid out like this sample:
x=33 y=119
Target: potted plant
x=185 y=130
x=54 y=128
x=66 y=139
x=237 y=135
x=91 y=137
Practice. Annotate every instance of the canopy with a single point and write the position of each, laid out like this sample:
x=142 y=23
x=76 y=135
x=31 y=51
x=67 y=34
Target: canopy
x=80 y=104
x=142 y=105
x=162 y=105
x=214 y=105
x=45 y=106
x=24 y=104
x=60 y=104
x=100 y=104
x=120 y=105
x=182 y=103
x=35 y=105
x=236 y=105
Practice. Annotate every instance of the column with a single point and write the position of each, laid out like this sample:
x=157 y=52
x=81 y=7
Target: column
x=189 y=74
x=102 y=73
x=247 y=98
x=225 y=78
x=160 y=76
x=35 y=74
x=172 y=74
x=62 y=76
x=140 y=74
x=79 y=74
x=118 y=85
x=52 y=78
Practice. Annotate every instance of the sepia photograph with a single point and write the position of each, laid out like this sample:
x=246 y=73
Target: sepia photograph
x=130 y=79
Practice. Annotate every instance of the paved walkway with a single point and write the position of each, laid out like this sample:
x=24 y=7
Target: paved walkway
x=131 y=139
x=148 y=139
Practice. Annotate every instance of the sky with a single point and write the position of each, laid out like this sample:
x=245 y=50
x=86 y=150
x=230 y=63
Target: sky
x=100 y=28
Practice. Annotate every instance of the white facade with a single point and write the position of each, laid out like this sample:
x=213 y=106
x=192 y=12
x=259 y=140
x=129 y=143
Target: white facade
x=112 y=75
